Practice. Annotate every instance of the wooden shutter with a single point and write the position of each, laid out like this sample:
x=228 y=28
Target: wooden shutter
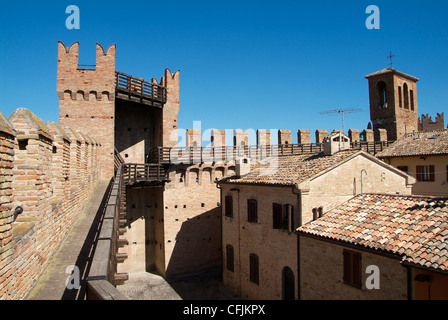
x=431 y=173
x=356 y=262
x=252 y=215
x=229 y=206
x=352 y=273
x=276 y=216
x=254 y=274
x=230 y=257
x=419 y=173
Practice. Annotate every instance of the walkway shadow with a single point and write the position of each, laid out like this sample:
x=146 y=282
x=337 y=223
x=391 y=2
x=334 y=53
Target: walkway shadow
x=204 y=286
x=84 y=260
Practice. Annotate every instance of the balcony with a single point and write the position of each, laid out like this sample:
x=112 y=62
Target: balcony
x=138 y=90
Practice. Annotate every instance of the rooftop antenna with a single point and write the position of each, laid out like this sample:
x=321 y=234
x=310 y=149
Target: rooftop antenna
x=342 y=112
x=390 y=56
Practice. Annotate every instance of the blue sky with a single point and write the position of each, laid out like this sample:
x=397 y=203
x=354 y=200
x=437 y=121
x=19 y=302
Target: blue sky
x=243 y=64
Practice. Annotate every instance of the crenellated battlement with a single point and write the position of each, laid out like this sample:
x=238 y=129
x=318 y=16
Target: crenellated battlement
x=50 y=172
x=427 y=124
x=214 y=153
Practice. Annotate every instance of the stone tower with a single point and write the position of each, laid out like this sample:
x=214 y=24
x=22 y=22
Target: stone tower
x=87 y=98
x=393 y=102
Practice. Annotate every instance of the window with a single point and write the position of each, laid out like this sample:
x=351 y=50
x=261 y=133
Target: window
x=277 y=215
x=229 y=257
x=229 y=206
x=411 y=95
x=406 y=96
x=400 y=98
x=352 y=268
x=252 y=214
x=382 y=97
x=425 y=173
x=282 y=216
x=403 y=168
x=253 y=266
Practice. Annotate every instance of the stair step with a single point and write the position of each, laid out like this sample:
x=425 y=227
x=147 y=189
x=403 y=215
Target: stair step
x=121 y=256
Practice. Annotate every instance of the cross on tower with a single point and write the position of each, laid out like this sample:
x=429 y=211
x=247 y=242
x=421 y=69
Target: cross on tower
x=390 y=56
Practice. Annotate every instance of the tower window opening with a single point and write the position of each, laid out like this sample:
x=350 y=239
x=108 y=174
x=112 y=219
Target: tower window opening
x=382 y=94
x=406 y=96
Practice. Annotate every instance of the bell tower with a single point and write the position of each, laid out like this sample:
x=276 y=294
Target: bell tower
x=393 y=102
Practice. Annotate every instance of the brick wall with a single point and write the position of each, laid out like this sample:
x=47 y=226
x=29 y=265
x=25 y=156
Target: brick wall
x=43 y=171
x=87 y=98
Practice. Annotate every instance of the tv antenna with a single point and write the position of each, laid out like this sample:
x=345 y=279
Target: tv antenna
x=342 y=112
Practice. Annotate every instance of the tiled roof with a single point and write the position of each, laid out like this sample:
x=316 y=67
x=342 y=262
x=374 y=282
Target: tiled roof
x=392 y=70
x=289 y=170
x=418 y=144
x=413 y=227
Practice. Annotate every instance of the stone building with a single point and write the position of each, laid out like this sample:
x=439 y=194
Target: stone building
x=267 y=200
x=423 y=155
x=376 y=246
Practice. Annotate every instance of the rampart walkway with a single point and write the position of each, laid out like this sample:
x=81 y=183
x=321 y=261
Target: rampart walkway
x=76 y=249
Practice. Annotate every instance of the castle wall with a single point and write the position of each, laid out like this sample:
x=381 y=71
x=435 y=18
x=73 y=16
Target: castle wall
x=136 y=130
x=36 y=174
x=426 y=123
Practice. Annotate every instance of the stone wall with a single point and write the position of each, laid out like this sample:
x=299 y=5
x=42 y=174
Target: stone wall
x=321 y=274
x=50 y=172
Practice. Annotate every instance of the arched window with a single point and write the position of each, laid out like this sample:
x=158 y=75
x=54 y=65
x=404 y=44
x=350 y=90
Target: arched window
x=411 y=95
x=406 y=96
x=288 y=288
x=382 y=94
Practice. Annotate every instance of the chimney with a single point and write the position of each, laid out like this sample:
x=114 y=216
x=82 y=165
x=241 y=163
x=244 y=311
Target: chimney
x=336 y=141
x=242 y=166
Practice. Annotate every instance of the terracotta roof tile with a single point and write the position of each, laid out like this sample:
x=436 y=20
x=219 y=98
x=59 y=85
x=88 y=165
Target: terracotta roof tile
x=413 y=227
x=289 y=170
x=417 y=144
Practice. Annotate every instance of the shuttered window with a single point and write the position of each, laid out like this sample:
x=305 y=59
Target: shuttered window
x=252 y=211
x=425 y=173
x=229 y=206
x=352 y=268
x=277 y=216
x=254 y=268
x=230 y=257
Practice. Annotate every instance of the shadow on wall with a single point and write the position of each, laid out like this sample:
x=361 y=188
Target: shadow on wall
x=197 y=246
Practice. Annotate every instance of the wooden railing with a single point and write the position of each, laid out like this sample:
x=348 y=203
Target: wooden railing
x=118 y=160
x=141 y=172
x=197 y=155
x=103 y=276
x=139 y=89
